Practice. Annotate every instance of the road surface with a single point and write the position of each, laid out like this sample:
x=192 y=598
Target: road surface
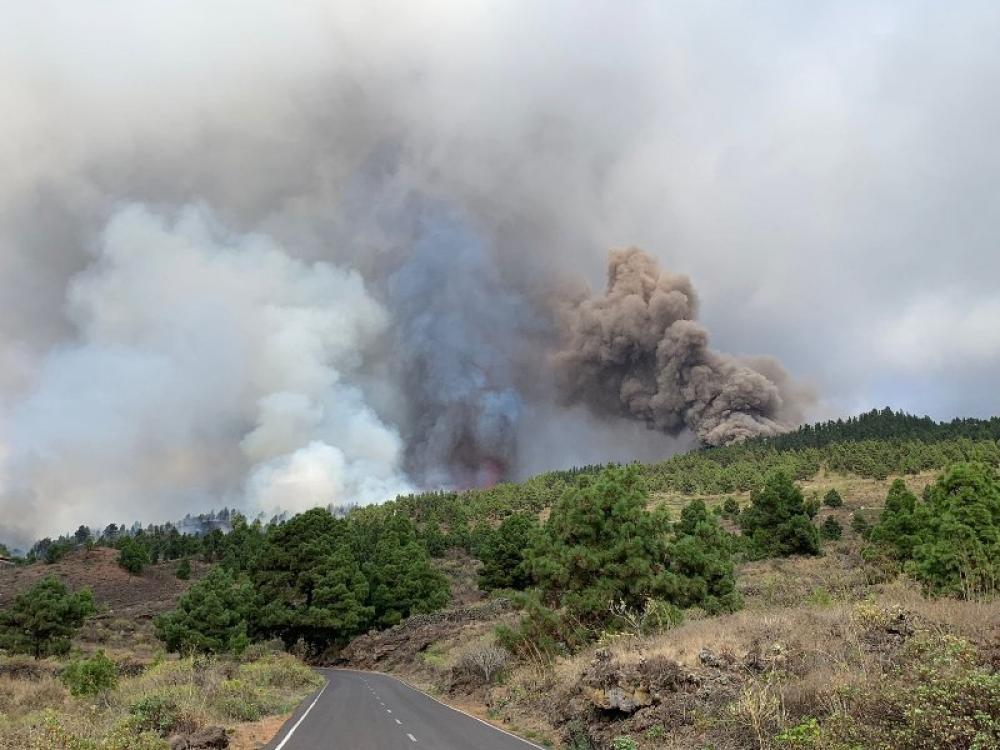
x=367 y=711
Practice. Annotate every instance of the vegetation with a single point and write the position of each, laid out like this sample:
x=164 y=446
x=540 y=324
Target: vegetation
x=776 y=523
x=140 y=711
x=503 y=553
x=42 y=620
x=950 y=540
x=623 y=554
x=88 y=677
x=133 y=556
x=212 y=617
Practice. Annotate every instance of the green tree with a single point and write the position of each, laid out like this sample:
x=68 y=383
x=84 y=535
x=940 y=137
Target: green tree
x=776 y=521
x=600 y=546
x=959 y=549
x=310 y=584
x=700 y=568
x=42 y=620
x=434 y=540
x=899 y=527
x=832 y=499
x=400 y=574
x=831 y=529
x=133 y=556
x=184 y=569
x=211 y=617
x=503 y=552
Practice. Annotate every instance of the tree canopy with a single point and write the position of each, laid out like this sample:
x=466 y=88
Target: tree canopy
x=42 y=620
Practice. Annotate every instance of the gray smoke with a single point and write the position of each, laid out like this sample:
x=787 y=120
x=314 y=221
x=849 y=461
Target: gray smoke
x=267 y=253
x=638 y=351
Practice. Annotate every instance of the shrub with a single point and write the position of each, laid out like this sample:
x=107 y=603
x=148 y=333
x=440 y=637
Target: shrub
x=624 y=743
x=183 y=571
x=860 y=525
x=730 y=507
x=803 y=736
x=239 y=700
x=832 y=499
x=158 y=712
x=939 y=697
x=485 y=663
x=90 y=676
x=831 y=529
x=280 y=671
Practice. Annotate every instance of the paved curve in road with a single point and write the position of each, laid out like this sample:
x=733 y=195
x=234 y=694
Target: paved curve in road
x=368 y=711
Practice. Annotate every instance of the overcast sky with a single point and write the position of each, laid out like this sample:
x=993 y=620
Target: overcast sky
x=826 y=174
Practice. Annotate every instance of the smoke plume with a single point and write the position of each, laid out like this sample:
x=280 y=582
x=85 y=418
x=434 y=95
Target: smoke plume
x=273 y=255
x=637 y=351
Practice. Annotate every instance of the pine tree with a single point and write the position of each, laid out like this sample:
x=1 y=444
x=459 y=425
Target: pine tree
x=133 y=556
x=42 y=620
x=600 y=546
x=211 y=617
x=700 y=569
x=776 y=522
x=503 y=551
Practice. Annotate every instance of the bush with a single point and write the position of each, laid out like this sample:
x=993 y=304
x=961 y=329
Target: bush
x=92 y=676
x=159 y=712
x=831 y=529
x=484 y=663
x=279 y=671
x=624 y=743
x=938 y=697
x=730 y=507
x=803 y=736
x=832 y=499
x=239 y=700
x=860 y=525
x=183 y=571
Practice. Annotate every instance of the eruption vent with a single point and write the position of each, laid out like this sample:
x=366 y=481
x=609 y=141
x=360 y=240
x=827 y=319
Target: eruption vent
x=637 y=351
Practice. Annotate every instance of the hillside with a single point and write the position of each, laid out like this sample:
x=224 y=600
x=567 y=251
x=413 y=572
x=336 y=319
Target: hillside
x=428 y=587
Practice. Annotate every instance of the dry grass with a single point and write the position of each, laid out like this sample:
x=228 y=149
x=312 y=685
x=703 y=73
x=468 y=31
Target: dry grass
x=169 y=697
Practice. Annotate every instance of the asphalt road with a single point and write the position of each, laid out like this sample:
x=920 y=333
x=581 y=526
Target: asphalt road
x=367 y=711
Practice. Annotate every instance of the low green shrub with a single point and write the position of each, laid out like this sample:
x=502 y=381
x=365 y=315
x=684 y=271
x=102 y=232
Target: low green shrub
x=93 y=676
x=239 y=700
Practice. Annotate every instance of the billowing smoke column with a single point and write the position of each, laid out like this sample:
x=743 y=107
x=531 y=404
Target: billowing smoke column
x=637 y=351
x=454 y=316
x=319 y=255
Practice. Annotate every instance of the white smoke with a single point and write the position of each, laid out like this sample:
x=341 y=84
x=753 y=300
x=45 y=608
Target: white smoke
x=189 y=335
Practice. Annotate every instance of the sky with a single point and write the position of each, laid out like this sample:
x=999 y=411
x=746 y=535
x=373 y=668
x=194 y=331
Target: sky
x=271 y=255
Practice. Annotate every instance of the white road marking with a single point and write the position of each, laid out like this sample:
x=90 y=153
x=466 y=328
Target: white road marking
x=388 y=710
x=412 y=738
x=399 y=722
x=302 y=718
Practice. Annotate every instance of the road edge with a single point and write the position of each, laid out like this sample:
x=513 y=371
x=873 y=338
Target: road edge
x=298 y=715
